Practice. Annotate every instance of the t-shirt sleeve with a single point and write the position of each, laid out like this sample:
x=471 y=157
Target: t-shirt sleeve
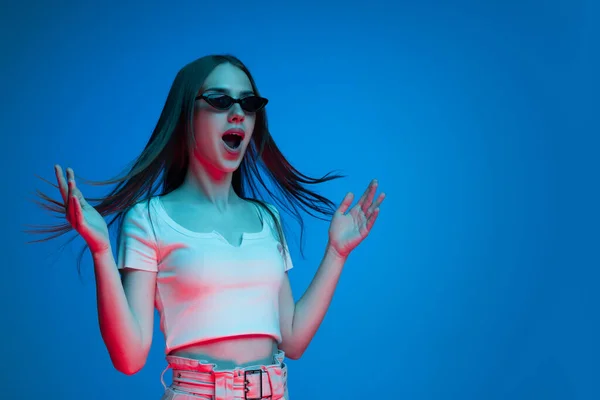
x=137 y=243
x=285 y=254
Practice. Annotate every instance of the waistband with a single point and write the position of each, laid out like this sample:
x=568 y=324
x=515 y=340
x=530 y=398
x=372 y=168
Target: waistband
x=252 y=382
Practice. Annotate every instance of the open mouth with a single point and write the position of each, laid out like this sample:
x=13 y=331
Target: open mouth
x=232 y=140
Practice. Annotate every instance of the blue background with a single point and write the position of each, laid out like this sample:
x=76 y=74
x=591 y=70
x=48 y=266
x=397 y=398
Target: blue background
x=479 y=280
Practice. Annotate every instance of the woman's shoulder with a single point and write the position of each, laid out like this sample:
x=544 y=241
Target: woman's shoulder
x=266 y=204
x=273 y=215
x=142 y=208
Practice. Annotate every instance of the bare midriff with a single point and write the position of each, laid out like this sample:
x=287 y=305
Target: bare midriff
x=232 y=352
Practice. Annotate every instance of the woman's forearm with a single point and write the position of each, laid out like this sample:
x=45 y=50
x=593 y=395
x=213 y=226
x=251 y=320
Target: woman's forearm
x=311 y=308
x=119 y=328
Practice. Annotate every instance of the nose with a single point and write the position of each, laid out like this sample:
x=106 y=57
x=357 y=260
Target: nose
x=236 y=114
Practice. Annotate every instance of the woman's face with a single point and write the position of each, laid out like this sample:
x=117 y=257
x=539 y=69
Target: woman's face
x=216 y=150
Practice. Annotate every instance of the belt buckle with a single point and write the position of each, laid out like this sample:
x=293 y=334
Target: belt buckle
x=247 y=389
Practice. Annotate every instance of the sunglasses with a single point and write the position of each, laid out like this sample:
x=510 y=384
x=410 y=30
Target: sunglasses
x=224 y=102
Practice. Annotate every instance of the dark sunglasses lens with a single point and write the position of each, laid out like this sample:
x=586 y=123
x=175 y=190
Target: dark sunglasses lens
x=221 y=102
x=253 y=103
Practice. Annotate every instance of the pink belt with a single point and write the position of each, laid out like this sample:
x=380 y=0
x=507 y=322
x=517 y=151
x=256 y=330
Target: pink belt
x=250 y=383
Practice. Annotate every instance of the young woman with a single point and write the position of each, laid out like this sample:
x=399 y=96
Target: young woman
x=196 y=243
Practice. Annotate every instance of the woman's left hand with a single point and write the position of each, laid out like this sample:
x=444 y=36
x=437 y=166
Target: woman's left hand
x=347 y=230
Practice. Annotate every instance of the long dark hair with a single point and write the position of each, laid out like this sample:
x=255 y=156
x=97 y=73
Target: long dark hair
x=162 y=165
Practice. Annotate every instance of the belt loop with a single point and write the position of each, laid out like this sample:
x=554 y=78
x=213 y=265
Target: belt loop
x=224 y=385
x=277 y=380
x=162 y=376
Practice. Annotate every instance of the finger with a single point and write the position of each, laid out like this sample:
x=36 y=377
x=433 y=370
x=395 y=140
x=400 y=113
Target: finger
x=367 y=196
x=371 y=195
x=346 y=203
x=77 y=193
x=372 y=219
x=70 y=181
x=366 y=192
x=73 y=189
x=62 y=184
x=75 y=214
x=72 y=211
x=377 y=203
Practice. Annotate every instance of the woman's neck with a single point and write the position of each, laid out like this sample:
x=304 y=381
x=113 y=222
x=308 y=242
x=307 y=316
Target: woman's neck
x=206 y=185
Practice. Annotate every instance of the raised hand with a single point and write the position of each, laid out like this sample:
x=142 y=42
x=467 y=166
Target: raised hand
x=347 y=230
x=81 y=215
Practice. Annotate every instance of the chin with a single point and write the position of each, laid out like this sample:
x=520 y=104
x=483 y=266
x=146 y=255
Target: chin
x=220 y=163
x=228 y=169
x=229 y=166
x=230 y=163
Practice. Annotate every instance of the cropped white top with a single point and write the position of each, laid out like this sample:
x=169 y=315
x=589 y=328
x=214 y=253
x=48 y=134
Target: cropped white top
x=206 y=288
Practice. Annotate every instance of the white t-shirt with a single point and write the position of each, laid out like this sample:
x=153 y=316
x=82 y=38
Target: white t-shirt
x=206 y=288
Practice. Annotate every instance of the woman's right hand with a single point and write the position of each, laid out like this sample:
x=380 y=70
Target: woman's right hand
x=81 y=215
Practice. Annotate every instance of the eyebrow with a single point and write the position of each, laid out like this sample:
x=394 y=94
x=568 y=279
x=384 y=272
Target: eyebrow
x=227 y=91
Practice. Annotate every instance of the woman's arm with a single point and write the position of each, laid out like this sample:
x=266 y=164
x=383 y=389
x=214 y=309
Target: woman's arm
x=125 y=309
x=348 y=228
x=300 y=321
x=125 y=312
